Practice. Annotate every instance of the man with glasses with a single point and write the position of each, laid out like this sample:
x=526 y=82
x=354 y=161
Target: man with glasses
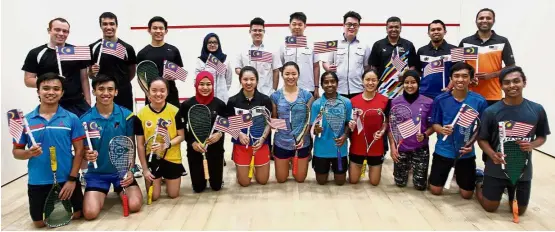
x=258 y=55
x=351 y=58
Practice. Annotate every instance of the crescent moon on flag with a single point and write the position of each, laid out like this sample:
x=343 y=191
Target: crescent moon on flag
x=11 y=115
x=214 y=59
x=332 y=43
x=93 y=125
x=471 y=50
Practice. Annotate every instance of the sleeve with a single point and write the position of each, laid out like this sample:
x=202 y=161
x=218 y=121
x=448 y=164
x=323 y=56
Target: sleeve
x=129 y=124
x=315 y=57
x=179 y=124
x=388 y=107
x=437 y=113
x=419 y=65
x=268 y=105
x=282 y=54
x=486 y=126
x=314 y=110
x=178 y=59
x=507 y=54
x=542 y=128
x=77 y=130
x=367 y=53
x=239 y=60
x=374 y=56
x=93 y=58
x=349 y=108
x=30 y=64
x=230 y=109
x=276 y=61
x=229 y=75
x=413 y=58
x=131 y=57
x=199 y=66
x=138 y=127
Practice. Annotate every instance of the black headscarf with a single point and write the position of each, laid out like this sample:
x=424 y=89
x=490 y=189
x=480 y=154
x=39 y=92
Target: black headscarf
x=411 y=97
x=218 y=53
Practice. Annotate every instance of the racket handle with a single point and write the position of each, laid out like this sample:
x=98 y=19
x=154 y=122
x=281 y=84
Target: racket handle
x=295 y=164
x=339 y=163
x=449 y=178
x=205 y=164
x=149 y=195
x=516 y=218
x=363 y=169
x=503 y=166
x=251 y=167
x=125 y=204
x=95 y=165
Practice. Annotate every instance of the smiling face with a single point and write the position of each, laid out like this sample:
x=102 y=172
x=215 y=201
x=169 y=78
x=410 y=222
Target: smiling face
x=461 y=79
x=329 y=84
x=157 y=31
x=370 y=82
x=436 y=32
x=351 y=26
x=393 y=29
x=513 y=84
x=410 y=85
x=297 y=27
x=290 y=75
x=204 y=87
x=157 y=92
x=105 y=93
x=109 y=27
x=257 y=33
x=59 y=31
x=213 y=44
x=50 y=91
x=485 y=21
x=248 y=81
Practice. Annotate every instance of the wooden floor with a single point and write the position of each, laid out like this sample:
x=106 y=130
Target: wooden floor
x=307 y=206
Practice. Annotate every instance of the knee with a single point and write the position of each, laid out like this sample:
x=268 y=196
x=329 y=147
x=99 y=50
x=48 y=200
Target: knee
x=281 y=179
x=340 y=182
x=321 y=181
x=262 y=182
x=401 y=184
x=521 y=210
x=216 y=187
x=436 y=190
x=353 y=181
x=199 y=188
x=244 y=182
x=299 y=180
x=375 y=182
x=90 y=214
x=173 y=195
x=135 y=205
x=39 y=224
x=76 y=215
x=490 y=207
x=420 y=187
x=467 y=195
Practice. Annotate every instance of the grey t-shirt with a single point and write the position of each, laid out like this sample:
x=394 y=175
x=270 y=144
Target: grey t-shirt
x=532 y=121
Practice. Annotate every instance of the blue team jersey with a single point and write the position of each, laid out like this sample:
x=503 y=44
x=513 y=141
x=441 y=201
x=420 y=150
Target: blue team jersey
x=445 y=108
x=119 y=123
x=60 y=131
x=324 y=146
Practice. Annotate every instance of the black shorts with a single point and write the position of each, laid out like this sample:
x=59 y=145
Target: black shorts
x=169 y=170
x=492 y=189
x=37 y=196
x=465 y=172
x=371 y=160
x=281 y=153
x=322 y=165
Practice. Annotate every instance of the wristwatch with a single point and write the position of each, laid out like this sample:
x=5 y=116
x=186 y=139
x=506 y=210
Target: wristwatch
x=71 y=178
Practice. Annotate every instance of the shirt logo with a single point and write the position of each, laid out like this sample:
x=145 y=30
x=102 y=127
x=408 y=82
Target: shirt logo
x=426 y=58
x=148 y=123
x=401 y=49
x=384 y=50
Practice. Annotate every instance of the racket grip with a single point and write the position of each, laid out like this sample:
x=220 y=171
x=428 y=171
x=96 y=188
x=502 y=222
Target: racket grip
x=251 y=167
x=125 y=204
x=363 y=169
x=95 y=165
x=339 y=163
x=516 y=218
x=447 y=184
x=205 y=164
x=149 y=195
x=295 y=165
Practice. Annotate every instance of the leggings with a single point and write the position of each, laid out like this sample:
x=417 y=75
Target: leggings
x=417 y=159
x=215 y=170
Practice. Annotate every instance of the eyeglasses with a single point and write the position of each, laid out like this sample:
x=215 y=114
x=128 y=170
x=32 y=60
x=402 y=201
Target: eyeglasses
x=257 y=30
x=213 y=43
x=354 y=25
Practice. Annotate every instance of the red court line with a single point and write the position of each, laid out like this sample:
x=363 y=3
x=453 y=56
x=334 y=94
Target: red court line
x=143 y=99
x=286 y=25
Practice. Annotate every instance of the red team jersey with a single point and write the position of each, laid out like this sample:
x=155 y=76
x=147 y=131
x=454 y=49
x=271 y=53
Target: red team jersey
x=358 y=144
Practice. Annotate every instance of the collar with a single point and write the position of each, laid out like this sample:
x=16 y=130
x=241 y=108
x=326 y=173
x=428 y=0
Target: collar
x=96 y=115
x=493 y=36
x=163 y=108
x=242 y=96
x=345 y=39
x=399 y=42
x=443 y=45
x=261 y=45
x=325 y=98
x=59 y=113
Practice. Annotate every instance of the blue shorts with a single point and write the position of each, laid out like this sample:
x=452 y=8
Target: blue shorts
x=101 y=182
x=281 y=153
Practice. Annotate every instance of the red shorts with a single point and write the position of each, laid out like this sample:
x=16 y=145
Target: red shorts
x=242 y=156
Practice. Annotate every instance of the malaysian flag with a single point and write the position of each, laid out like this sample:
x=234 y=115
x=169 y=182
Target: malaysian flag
x=174 y=72
x=326 y=46
x=397 y=61
x=261 y=56
x=222 y=124
x=69 y=53
x=162 y=127
x=462 y=54
x=15 y=124
x=239 y=122
x=213 y=62
x=277 y=123
x=434 y=67
x=114 y=48
x=517 y=129
x=407 y=128
x=295 y=41
x=467 y=115
x=92 y=129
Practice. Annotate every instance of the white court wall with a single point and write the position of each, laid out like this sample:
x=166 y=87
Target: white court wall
x=24 y=24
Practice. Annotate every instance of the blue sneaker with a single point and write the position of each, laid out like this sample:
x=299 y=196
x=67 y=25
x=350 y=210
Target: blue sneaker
x=479 y=176
x=137 y=171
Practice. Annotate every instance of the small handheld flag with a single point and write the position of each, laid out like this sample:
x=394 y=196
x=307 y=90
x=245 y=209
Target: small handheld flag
x=261 y=56
x=326 y=46
x=295 y=41
x=173 y=71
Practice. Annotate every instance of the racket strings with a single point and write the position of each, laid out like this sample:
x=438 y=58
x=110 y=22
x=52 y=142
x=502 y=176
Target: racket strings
x=516 y=160
x=335 y=116
x=57 y=212
x=200 y=122
x=298 y=120
x=121 y=151
x=259 y=124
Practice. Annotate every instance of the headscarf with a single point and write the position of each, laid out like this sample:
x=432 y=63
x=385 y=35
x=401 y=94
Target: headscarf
x=218 y=53
x=205 y=100
x=410 y=98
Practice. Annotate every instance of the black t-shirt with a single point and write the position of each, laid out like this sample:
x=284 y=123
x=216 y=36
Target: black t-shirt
x=217 y=108
x=112 y=65
x=42 y=59
x=380 y=55
x=240 y=101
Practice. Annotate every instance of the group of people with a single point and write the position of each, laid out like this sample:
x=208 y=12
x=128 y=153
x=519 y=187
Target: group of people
x=361 y=77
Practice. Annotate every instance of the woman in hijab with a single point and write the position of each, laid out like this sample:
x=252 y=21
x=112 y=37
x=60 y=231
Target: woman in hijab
x=413 y=152
x=214 y=152
x=211 y=48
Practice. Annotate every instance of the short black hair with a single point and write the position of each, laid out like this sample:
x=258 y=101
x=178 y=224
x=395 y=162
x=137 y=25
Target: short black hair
x=157 y=19
x=57 y=19
x=298 y=15
x=290 y=63
x=333 y=74
x=257 y=21
x=461 y=66
x=393 y=19
x=248 y=69
x=158 y=79
x=437 y=21
x=48 y=77
x=107 y=15
x=351 y=14
x=485 y=9
x=508 y=70
x=372 y=70
x=102 y=78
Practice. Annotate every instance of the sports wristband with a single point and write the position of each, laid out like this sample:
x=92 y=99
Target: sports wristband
x=71 y=178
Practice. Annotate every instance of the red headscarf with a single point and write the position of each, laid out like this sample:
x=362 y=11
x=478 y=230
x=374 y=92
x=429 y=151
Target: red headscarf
x=205 y=100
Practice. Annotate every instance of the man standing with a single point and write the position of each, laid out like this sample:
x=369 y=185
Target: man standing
x=257 y=55
x=514 y=110
x=351 y=58
x=390 y=57
x=434 y=83
x=309 y=64
x=44 y=59
x=117 y=60
x=158 y=51
x=493 y=51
